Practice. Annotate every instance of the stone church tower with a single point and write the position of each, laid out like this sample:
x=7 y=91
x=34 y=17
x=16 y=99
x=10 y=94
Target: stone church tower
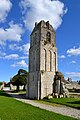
x=42 y=61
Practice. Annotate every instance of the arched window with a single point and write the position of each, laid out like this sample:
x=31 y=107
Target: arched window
x=48 y=37
x=45 y=59
x=50 y=61
x=55 y=60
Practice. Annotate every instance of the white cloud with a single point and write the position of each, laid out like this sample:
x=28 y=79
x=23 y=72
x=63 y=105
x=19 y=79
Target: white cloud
x=5 y=6
x=35 y=11
x=62 y=56
x=73 y=51
x=73 y=61
x=69 y=55
x=24 y=48
x=73 y=74
x=2 y=54
x=13 y=33
x=22 y=63
x=11 y=56
x=13 y=47
x=24 y=57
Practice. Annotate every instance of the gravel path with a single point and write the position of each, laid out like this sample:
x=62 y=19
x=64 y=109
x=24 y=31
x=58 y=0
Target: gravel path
x=68 y=111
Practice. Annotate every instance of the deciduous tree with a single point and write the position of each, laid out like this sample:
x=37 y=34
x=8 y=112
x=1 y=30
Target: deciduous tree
x=20 y=78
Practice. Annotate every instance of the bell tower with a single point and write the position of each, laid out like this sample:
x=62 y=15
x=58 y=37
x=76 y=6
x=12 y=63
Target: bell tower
x=42 y=61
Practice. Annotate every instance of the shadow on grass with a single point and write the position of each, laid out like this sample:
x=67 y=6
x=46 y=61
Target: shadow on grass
x=75 y=102
x=12 y=94
x=2 y=93
x=20 y=96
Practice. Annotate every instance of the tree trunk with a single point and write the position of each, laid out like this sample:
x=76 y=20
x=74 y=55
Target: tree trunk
x=17 y=88
x=24 y=88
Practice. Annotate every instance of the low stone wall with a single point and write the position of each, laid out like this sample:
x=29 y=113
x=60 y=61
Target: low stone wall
x=74 y=95
x=12 y=87
x=72 y=86
x=6 y=88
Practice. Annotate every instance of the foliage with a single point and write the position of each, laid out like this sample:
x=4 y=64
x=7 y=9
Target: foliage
x=59 y=76
x=71 y=102
x=79 y=82
x=11 y=109
x=20 y=78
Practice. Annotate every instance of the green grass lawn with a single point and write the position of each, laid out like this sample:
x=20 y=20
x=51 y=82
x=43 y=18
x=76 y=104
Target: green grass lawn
x=11 y=109
x=71 y=102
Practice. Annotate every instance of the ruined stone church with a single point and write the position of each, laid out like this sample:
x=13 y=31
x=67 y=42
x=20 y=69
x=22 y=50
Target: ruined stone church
x=42 y=61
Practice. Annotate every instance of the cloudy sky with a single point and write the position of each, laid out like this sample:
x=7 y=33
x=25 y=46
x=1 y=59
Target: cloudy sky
x=17 y=18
